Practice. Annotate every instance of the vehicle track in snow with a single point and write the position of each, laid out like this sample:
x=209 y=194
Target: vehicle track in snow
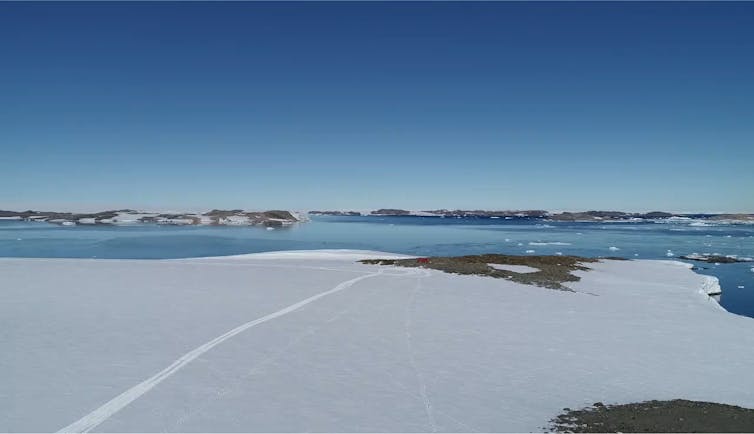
x=422 y=383
x=105 y=411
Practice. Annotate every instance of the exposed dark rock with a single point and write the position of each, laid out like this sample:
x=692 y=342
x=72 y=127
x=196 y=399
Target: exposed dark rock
x=714 y=259
x=732 y=217
x=336 y=213
x=277 y=214
x=677 y=415
x=390 y=211
x=103 y=217
x=553 y=270
x=223 y=213
x=656 y=215
x=485 y=213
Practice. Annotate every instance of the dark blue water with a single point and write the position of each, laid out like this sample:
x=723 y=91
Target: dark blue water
x=410 y=235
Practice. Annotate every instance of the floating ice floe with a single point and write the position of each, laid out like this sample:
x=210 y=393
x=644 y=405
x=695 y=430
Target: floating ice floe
x=530 y=251
x=554 y=243
x=669 y=253
x=561 y=254
x=701 y=224
x=613 y=248
x=740 y=287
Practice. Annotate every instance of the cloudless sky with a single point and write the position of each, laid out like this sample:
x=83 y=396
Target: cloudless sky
x=629 y=106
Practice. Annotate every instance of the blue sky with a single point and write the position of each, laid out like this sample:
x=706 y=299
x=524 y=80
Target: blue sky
x=631 y=106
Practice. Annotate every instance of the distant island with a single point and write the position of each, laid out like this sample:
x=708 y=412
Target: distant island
x=583 y=216
x=277 y=218
x=216 y=217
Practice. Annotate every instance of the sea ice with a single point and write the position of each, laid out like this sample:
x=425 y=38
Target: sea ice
x=315 y=341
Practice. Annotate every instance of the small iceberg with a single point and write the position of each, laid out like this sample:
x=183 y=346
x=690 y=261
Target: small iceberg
x=613 y=248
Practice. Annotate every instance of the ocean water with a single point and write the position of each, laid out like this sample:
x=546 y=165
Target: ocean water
x=409 y=235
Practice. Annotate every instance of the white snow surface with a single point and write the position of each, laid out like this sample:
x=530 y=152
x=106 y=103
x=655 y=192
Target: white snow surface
x=314 y=341
x=515 y=268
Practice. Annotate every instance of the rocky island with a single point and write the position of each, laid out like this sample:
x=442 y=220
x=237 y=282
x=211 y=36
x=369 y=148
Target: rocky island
x=336 y=213
x=715 y=259
x=567 y=216
x=216 y=217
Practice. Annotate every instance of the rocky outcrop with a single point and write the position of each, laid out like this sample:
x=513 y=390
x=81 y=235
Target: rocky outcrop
x=715 y=259
x=390 y=211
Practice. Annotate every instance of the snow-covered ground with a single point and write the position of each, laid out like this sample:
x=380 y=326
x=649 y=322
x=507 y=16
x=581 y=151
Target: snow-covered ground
x=515 y=268
x=312 y=341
